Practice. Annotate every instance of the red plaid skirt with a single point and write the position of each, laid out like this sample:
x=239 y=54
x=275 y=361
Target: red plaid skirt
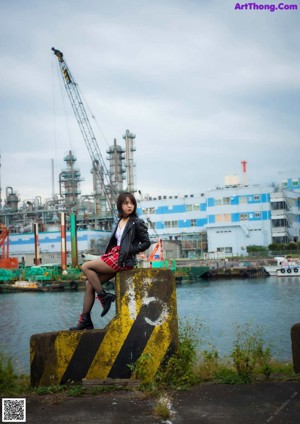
x=111 y=259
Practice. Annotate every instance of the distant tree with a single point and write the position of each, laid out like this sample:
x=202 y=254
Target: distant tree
x=253 y=249
x=275 y=247
x=292 y=246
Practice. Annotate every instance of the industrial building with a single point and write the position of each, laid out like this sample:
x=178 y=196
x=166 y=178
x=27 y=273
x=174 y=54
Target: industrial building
x=223 y=221
x=220 y=222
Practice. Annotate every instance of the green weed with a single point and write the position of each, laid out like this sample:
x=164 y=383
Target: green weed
x=49 y=390
x=76 y=390
x=178 y=371
x=249 y=352
x=208 y=365
x=142 y=368
x=10 y=382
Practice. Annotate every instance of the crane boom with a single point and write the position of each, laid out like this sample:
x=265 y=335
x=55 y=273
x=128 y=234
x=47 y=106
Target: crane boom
x=158 y=245
x=107 y=191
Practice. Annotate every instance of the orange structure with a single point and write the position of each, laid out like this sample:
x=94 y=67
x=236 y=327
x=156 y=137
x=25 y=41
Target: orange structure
x=157 y=248
x=5 y=261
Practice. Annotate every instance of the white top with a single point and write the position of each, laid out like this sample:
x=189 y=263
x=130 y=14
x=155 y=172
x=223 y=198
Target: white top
x=118 y=234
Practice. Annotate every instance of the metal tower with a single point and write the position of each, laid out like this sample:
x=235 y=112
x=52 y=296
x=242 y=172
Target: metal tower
x=129 y=162
x=116 y=158
x=69 y=180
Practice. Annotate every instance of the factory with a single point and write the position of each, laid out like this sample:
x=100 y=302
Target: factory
x=221 y=222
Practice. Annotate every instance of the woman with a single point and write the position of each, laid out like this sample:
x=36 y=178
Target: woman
x=129 y=238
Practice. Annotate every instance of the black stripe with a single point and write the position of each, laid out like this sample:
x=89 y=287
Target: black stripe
x=44 y=352
x=136 y=341
x=83 y=356
x=141 y=331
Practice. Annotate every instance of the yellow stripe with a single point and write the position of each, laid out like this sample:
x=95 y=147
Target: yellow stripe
x=117 y=330
x=115 y=336
x=65 y=345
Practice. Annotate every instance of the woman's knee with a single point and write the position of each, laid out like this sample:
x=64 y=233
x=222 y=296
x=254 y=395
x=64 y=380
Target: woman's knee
x=84 y=267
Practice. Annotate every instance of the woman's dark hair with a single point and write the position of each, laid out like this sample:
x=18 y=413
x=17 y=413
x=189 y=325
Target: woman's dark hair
x=121 y=199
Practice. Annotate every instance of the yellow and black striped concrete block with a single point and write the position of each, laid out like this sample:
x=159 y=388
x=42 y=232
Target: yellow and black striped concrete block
x=145 y=326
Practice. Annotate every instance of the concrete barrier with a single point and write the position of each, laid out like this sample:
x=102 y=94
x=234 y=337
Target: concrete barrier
x=145 y=326
x=295 y=336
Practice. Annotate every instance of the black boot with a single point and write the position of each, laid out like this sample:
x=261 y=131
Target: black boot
x=84 y=323
x=106 y=300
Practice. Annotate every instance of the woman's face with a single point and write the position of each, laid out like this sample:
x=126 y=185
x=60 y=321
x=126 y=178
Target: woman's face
x=127 y=207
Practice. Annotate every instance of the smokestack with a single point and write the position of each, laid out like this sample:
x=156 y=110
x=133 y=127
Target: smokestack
x=244 y=168
x=37 y=259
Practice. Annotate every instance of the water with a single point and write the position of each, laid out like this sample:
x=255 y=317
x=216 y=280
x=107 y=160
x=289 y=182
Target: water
x=273 y=303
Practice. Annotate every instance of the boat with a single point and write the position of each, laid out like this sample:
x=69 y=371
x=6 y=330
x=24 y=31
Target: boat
x=285 y=267
x=35 y=286
x=282 y=265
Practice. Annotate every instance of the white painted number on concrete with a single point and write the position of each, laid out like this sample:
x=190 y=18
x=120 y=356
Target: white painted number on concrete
x=145 y=301
x=164 y=313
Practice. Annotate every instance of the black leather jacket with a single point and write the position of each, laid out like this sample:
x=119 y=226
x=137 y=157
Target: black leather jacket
x=135 y=239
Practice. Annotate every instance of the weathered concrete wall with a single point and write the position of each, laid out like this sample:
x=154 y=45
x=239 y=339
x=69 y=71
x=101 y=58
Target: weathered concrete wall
x=295 y=336
x=146 y=323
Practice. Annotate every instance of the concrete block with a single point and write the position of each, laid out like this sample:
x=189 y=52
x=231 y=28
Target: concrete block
x=295 y=336
x=145 y=326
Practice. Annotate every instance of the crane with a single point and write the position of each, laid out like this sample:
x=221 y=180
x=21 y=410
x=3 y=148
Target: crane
x=158 y=245
x=107 y=190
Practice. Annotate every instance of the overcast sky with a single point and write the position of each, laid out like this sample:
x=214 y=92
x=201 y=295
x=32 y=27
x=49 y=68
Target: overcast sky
x=201 y=85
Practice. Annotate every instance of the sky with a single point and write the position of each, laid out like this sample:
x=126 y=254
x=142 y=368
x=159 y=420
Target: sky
x=202 y=85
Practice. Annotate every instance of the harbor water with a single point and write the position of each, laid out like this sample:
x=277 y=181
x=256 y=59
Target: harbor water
x=272 y=303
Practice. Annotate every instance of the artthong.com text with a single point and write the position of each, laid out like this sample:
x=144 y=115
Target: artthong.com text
x=270 y=7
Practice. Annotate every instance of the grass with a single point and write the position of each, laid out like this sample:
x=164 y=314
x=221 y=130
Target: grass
x=11 y=383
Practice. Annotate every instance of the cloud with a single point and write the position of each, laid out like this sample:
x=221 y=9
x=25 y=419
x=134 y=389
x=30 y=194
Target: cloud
x=202 y=86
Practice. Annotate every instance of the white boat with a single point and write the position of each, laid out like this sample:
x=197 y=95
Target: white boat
x=285 y=267
x=35 y=286
x=25 y=285
x=273 y=269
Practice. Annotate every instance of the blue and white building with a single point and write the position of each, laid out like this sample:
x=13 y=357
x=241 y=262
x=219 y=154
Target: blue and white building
x=238 y=217
x=225 y=220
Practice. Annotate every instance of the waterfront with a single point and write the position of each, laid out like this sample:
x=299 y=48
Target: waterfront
x=273 y=303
